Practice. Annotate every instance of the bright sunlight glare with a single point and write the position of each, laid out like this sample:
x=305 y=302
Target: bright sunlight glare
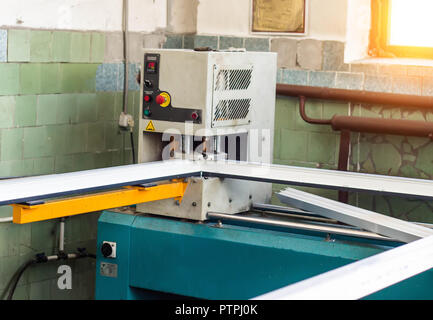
x=411 y=23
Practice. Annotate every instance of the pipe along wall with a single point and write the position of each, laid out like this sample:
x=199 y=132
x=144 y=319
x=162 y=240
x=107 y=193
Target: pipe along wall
x=348 y=124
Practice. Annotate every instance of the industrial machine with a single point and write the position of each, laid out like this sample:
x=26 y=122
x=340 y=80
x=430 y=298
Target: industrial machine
x=208 y=105
x=202 y=226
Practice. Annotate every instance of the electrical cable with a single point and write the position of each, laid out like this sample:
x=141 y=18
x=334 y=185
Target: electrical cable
x=125 y=53
x=42 y=258
x=126 y=65
x=133 y=148
x=17 y=277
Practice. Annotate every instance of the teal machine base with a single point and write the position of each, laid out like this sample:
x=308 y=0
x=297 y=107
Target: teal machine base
x=162 y=258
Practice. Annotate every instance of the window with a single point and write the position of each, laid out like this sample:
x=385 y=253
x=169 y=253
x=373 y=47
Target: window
x=279 y=16
x=402 y=28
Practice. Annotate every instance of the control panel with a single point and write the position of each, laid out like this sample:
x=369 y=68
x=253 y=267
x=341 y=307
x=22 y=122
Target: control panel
x=157 y=103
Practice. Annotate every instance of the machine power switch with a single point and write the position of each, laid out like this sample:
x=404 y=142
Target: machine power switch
x=108 y=249
x=160 y=99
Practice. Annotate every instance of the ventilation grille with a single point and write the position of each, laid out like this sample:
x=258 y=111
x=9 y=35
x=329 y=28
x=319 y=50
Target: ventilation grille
x=233 y=79
x=232 y=109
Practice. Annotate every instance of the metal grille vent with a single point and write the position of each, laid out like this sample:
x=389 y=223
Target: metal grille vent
x=232 y=109
x=233 y=79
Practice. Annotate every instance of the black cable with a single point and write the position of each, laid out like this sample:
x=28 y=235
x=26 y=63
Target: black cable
x=132 y=148
x=18 y=275
x=42 y=258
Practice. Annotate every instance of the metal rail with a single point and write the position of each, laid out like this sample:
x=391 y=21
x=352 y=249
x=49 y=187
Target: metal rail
x=299 y=225
x=362 y=278
x=274 y=208
x=368 y=220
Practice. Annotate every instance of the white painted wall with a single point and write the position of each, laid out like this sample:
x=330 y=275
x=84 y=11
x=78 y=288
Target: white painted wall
x=104 y=15
x=182 y=16
x=358 y=30
x=147 y=15
x=327 y=19
x=226 y=17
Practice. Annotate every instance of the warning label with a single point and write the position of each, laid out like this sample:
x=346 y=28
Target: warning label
x=150 y=126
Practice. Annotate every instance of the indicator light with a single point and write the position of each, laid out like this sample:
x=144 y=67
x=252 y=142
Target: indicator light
x=194 y=116
x=147 y=112
x=147 y=98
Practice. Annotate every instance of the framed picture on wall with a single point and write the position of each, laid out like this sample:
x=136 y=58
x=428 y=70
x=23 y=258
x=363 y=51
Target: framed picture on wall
x=279 y=17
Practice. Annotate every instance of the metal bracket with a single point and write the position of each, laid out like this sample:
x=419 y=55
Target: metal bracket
x=25 y=213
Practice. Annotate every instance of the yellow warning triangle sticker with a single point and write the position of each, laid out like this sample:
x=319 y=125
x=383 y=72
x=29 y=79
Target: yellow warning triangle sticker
x=150 y=126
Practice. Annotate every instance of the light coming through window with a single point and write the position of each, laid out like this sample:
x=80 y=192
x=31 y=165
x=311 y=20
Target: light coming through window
x=411 y=23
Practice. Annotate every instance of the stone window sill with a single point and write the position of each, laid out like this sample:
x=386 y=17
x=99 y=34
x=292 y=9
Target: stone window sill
x=397 y=61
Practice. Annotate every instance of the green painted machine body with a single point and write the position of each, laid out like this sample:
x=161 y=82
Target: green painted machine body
x=166 y=258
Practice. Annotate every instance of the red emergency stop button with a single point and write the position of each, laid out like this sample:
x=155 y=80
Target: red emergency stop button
x=160 y=99
x=147 y=98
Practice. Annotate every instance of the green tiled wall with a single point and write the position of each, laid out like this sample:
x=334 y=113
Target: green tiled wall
x=55 y=46
x=54 y=120
x=302 y=144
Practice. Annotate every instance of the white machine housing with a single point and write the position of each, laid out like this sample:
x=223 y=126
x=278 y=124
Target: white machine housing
x=218 y=105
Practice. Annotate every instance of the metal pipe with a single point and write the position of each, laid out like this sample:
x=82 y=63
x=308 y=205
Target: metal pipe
x=411 y=128
x=6 y=220
x=62 y=235
x=306 y=118
x=298 y=225
x=386 y=126
x=346 y=124
x=357 y=96
x=187 y=144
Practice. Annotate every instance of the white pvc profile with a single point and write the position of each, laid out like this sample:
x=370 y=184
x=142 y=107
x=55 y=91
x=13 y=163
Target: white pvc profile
x=368 y=220
x=24 y=189
x=30 y=188
x=362 y=278
x=322 y=178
